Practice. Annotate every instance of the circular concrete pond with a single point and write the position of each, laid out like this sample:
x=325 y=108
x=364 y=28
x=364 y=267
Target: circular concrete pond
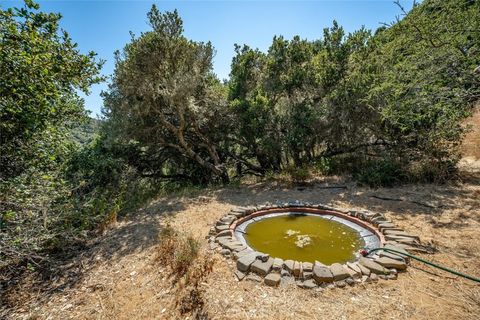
x=311 y=245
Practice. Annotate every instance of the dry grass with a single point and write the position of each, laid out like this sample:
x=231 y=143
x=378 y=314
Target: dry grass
x=123 y=279
x=471 y=143
x=177 y=252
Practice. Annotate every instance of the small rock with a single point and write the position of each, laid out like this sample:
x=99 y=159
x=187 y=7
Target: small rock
x=384 y=226
x=307 y=284
x=212 y=231
x=228 y=219
x=373 y=277
x=350 y=281
x=232 y=245
x=240 y=275
x=224 y=233
x=400 y=239
x=289 y=265
x=222 y=240
x=221 y=226
x=242 y=253
x=391 y=256
x=297 y=269
x=288 y=280
x=365 y=270
x=263 y=257
x=262 y=268
x=285 y=273
x=373 y=266
x=277 y=264
x=318 y=263
x=322 y=274
x=341 y=284
x=339 y=272
x=244 y=263
x=307 y=267
x=400 y=233
x=391 y=263
x=272 y=279
x=226 y=252
x=353 y=273
x=253 y=277
x=238 y=214
x=391 y=276
x=399 y=248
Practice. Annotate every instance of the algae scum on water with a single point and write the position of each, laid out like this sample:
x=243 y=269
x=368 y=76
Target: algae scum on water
x=304 y=238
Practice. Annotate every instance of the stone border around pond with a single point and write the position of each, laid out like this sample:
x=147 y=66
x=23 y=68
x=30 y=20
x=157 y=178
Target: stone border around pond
x=257 y=266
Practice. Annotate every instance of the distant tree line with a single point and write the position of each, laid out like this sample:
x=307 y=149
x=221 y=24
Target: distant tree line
x=390 y=101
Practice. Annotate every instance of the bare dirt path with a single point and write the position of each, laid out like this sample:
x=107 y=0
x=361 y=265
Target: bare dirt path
x=118 y=277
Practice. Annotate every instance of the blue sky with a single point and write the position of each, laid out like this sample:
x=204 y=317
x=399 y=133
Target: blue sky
x=103 y=26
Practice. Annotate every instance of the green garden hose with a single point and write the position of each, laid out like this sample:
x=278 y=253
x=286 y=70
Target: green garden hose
x=365 y=253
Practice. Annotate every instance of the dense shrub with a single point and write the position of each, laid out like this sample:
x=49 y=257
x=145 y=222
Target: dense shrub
x=386 y=106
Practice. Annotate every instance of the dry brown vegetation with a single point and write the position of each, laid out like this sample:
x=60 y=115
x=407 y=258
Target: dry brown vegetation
x=471 y=144
x=119 y=275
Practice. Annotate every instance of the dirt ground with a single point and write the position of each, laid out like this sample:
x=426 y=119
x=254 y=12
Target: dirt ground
x=117 y=275
x=118 y=278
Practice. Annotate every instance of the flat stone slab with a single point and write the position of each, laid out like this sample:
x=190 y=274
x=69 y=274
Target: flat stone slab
x=400 y=233
x=287 y=280
x=272 y=279
x=238 y=214
x=232 y=245
x=253 y=277
x=224 y=233
x=244 y=263
x=262 y=268
x=322 y=274
x=401 y=239
x=400 y=248
x=339 y=272
x=297 y=269
x=354 y=271
x=386 y=225
x=228 y=219
x=239 y=254
x=224 y=239
x=307 y=267
x=391 y=256
x=373 y=266
x=289 y=265
x=354 y=266
x=318 y=263
x=391 y=263
x=365 y=270
x=277 y=264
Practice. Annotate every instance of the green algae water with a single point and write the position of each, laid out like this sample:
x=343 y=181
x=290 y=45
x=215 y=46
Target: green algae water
x=304 y=238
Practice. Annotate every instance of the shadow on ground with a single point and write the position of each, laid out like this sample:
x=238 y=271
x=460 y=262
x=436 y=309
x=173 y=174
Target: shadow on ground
x=140 y=230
